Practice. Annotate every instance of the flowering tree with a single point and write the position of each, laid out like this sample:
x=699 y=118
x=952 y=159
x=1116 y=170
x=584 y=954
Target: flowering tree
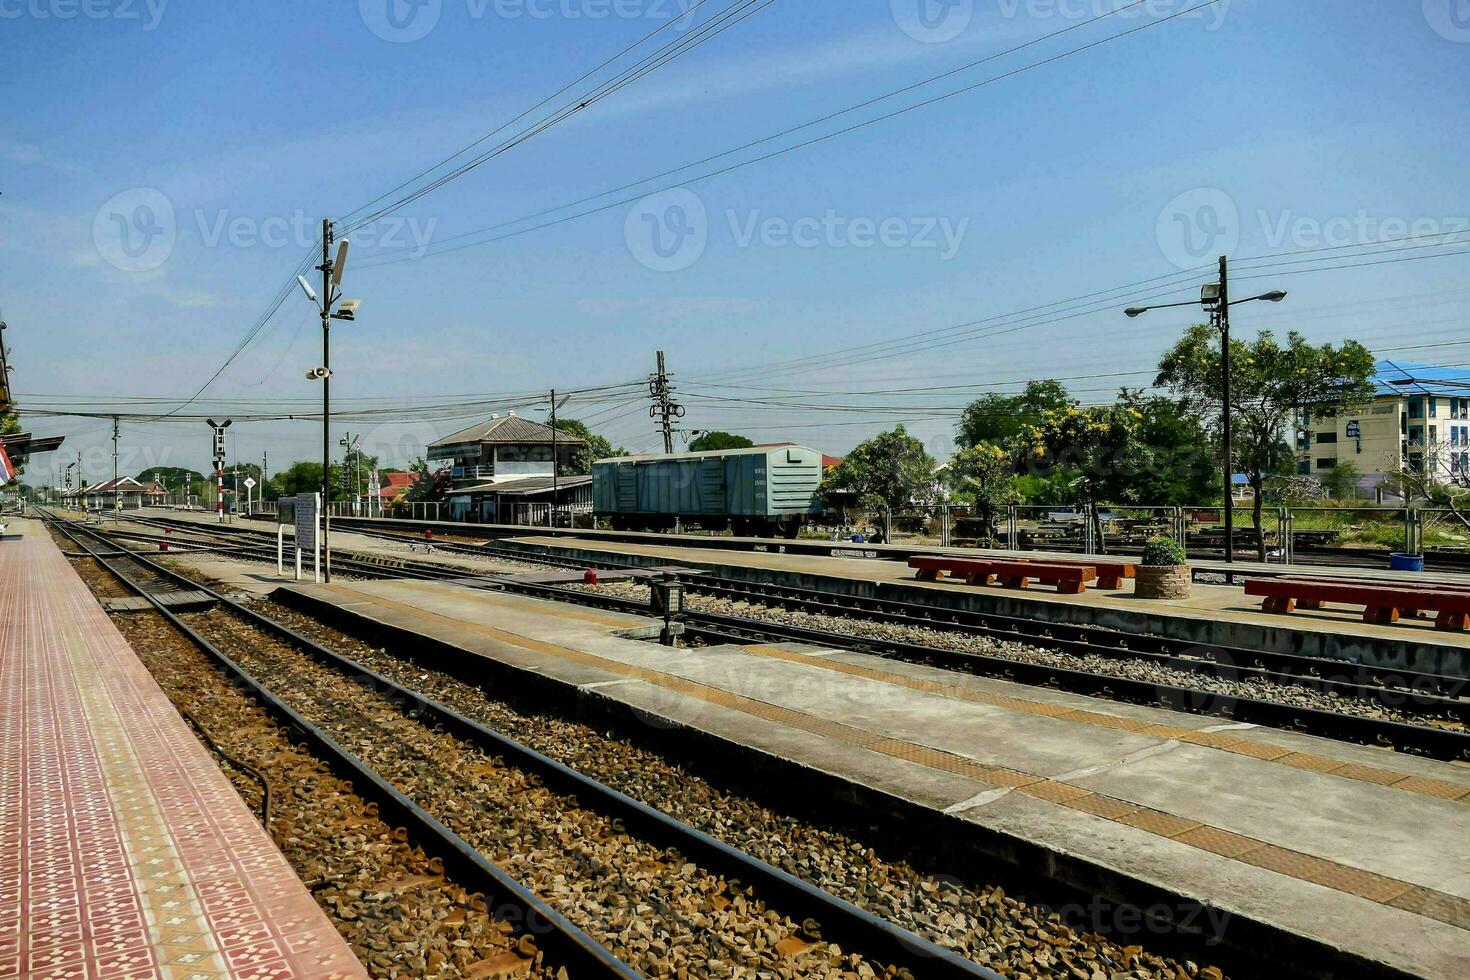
x=1098 y=450
x=986 y=474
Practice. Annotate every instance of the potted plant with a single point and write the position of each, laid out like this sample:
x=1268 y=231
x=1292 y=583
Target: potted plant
x=1165 y=571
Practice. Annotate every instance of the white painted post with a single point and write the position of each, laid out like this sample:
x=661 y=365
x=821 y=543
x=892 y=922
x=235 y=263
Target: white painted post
x=280 y=547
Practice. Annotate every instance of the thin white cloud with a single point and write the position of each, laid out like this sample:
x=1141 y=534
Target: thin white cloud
x=31 y=155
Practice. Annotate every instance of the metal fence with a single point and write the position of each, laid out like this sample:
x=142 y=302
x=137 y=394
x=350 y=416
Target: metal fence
x=1307 y=534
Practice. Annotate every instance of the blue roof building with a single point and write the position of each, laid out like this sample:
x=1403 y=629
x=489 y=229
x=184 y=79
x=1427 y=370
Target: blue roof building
x=1419 y=421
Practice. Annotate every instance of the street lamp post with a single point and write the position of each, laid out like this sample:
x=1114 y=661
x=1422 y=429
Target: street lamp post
x=331 y=296
x=1215 y=297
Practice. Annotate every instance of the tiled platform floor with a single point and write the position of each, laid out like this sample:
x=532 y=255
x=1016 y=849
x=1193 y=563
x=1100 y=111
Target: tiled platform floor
x=124 y=851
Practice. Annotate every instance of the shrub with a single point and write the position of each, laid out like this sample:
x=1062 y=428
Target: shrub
x=1164 y=551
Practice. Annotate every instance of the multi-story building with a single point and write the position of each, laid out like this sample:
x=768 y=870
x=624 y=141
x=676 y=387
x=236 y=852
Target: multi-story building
x=1419 y=421
x=502 y=471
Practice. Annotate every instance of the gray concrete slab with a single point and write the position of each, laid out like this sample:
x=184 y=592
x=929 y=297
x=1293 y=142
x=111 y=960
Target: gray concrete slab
x=932 y=747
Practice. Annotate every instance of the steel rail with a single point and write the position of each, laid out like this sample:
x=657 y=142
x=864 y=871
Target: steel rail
x=569 y=944
x=1440 y=694
x=840 y=921
x=1430 y=741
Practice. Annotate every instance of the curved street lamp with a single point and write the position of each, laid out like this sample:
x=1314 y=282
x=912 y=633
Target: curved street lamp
x=1215 y=297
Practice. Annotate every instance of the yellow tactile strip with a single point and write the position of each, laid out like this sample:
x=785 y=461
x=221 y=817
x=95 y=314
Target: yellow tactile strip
x=1224 y=741
x=541 y=606
x=1381 y=889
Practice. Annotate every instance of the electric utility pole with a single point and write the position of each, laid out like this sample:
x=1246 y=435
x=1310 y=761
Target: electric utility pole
x=555 y=462
x=664 y=408
x=1227 y=467
x=116 y=495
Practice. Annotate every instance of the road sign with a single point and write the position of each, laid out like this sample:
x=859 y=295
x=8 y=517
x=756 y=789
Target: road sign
x=1354 y=431
x=250 y=483
x=306 y=507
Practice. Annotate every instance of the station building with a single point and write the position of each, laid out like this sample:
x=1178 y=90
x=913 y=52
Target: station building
x=1419 y=421
x=125 y=494
x=502 y=471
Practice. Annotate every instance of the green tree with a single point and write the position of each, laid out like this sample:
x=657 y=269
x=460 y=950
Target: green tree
x=302 y=476
x=1341 y=481
x=1269 y=381
x=984 y=476
x=712 y=441
x=353 y=475
x=598 y=447
x=1178 y=459
x=1097 y=451
x=429 y=484
x=890 y=471
x=997 y=418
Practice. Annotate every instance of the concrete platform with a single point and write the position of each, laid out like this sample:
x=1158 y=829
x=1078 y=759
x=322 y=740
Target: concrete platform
x=1214 y=615
x=1268 y=834
x=124 y=851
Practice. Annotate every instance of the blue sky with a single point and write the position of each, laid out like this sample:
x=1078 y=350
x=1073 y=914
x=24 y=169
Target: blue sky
x=1254 y=126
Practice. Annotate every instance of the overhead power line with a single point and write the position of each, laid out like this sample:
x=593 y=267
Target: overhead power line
x=709 y=175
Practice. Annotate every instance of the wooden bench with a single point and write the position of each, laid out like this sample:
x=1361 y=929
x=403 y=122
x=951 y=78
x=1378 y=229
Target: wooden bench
x=1382 y=604
x=1070 y=579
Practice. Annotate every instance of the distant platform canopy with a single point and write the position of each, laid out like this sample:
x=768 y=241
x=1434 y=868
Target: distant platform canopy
x=25 y=444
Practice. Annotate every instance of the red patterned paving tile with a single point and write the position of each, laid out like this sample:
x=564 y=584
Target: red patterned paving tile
x=123 y=850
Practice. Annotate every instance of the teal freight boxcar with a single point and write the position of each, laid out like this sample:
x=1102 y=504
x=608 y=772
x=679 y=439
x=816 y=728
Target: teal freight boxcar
x=760 y=491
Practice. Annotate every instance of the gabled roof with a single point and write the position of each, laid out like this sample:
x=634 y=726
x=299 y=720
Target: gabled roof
x=124 y=485
x=524 y=485
x=1400 y=378
x=508 y=429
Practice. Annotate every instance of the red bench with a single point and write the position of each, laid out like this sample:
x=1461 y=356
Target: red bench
x=1382 y=604
x=1018 y=573
x=1110 y=575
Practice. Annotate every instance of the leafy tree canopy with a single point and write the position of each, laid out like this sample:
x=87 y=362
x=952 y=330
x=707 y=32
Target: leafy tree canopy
x=429 y=483
x=598 y=447
x=985 y=477
x=302 y=476
x=173 y=476
x=892 y=469
x=998 y=418
x=714 y=440
x=1269 y=382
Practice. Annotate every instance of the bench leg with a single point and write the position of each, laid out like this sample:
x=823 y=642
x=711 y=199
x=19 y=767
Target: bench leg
x=1452 y=622
x=1112 y=582
x=927 y=575
x=1015 y=583
x=1071 y=588
x=1411 y=613
x=1278 y=604
x=1309 y=603
x=979 y=579
x=1381 y=615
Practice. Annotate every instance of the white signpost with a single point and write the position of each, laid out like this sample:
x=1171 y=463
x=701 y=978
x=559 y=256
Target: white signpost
x=308 y=508
x=249 y=484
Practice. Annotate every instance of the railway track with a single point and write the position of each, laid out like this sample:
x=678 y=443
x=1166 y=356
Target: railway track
x=1429 y=711
x=621 y=889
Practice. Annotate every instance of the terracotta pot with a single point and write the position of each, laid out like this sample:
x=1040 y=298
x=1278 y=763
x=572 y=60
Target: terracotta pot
x=1163 y=582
